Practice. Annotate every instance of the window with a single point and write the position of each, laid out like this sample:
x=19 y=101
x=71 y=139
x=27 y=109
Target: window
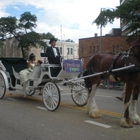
x=71 y=51
x=68 y=51
x=60 y=49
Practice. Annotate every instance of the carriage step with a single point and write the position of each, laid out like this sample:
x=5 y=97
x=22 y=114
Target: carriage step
x=11 y=89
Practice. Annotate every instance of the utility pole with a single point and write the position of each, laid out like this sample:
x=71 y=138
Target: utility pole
x=101 y=36
x=61 y=34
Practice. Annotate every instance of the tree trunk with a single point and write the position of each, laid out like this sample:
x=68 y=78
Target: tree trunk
x=23 y=54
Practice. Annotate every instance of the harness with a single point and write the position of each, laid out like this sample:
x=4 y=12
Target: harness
x=125 y=56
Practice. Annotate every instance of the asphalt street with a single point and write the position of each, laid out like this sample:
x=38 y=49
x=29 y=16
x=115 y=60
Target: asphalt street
x=25 y=118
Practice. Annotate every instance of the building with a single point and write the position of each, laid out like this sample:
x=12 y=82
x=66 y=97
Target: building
x=9 y=48
x=124 y=25
x=110 y=44
x=68 y=50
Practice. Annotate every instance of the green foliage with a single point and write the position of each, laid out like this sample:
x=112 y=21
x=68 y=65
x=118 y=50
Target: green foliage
x=48 y=36
x=7 y=26
x=127 y=12
x=104 y=17
x=27 y=21
x=28 y=40
x=22 y=30
x=69 y=40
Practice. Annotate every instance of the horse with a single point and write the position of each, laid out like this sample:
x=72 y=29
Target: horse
x=106 y=62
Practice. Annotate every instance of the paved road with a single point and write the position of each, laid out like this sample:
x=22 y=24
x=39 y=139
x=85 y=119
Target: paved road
x=24 y=118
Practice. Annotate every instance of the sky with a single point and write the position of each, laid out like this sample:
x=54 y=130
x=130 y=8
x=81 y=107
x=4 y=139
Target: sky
x=66 y=19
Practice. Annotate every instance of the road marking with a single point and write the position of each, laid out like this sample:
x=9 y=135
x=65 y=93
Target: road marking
x=105 y=112
x=98 y=124
x=11 y=99
x=42 y=108
x=105 y=96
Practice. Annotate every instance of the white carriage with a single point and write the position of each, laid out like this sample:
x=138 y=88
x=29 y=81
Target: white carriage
x=47 y=77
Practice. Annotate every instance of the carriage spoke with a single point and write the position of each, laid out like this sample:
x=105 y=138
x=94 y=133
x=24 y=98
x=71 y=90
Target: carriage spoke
x=78 y=99
x=51 y=95
x=54 y=101
x=79 y=94
x=83 y=98
x=2 y=86
x=49 y=103
x=76 y=95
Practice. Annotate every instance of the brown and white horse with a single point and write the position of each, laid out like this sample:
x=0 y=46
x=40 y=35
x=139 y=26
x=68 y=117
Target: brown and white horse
x=103 y=62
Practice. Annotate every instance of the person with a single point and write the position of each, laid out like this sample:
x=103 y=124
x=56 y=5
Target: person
x=30 y=65
x=39 y=62
x=123 y=94
x=53 y=53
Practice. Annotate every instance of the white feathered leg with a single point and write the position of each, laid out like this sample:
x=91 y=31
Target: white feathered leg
x=133 y=112
x=126 y=122
x=91 y=105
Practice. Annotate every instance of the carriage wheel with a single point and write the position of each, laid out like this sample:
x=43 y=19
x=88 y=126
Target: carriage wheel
x=30 y=92
x=51 y=96
x=2 y=86
x=79 y=95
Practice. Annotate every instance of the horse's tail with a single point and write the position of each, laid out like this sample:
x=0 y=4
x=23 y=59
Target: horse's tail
x=87 y=82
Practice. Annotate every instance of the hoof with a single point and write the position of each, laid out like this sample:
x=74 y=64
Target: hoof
x=135 y=119
x=94 y=114
x=126 y=123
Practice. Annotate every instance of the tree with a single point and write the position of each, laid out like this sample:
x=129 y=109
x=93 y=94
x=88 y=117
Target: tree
x=128 y=12
x=22 y=30
x=69 y=40
x=7 y=26
x=48 y=36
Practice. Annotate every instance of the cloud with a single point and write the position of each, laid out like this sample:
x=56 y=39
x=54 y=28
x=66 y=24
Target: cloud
x=75 y=16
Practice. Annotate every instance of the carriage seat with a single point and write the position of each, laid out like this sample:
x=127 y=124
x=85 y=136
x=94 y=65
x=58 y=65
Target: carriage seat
x=16 y=74
x=54 y=68
x=17 y=63
x=35 y=74
x=45 y=55
x=31 y=76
